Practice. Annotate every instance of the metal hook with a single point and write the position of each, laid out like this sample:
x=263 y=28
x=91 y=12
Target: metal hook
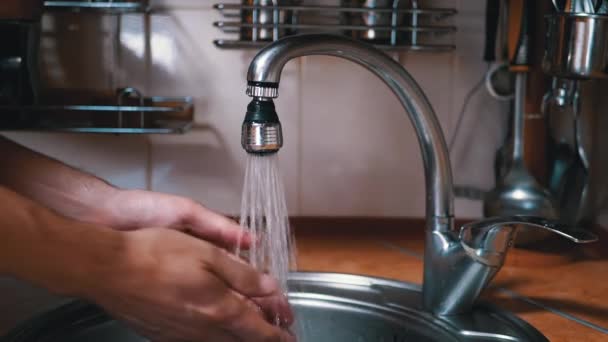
x=394 y=22
x=414 y=32
x=122 y=92
x=254 y=20
x=275 y=20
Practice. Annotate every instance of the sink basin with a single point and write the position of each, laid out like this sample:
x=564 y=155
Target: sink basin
x=329 y=307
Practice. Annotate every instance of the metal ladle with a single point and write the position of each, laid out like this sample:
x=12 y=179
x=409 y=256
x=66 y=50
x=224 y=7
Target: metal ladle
x=518 y=192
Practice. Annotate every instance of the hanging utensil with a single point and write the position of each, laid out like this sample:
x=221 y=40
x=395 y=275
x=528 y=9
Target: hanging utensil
x=518 y=193
x=568 y=180
x=499 y=82
x=562 y=105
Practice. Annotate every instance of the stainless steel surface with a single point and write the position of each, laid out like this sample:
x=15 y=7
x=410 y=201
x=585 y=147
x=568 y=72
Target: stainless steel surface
x=561 y=106
x=438 y=12
x=483 y=248
x=452 y=278
x=110 y=5
x=602 y=7
x=261 y=137
x=159 y=115
x=263 y=14
x=259 y=91
x=577 y=49
x=329 y=307
x=500 y=82
x=568 y=173
x=584 y=139
x=491 y=251
x=379 y=21
x=577 y=6
x=338 y=27
x=126 y=92
x=372 y=19
x=237 y=44
x=19 y=58
x=594 y=122
x=518 y=193
x=577 y=174
x=576 y=46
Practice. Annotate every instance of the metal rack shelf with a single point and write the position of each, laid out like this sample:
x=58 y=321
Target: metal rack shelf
x=391 y=27
x=439 y=12
x=239 y=44
x=93 y=5
x=151 y=115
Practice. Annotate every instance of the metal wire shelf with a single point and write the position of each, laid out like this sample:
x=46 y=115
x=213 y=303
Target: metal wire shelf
x=439 y=12
x=391 y=27
x=149 y=115
x=94 y=5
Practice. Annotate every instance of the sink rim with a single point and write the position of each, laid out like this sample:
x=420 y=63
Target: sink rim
x=457 y=323
x=357 y=291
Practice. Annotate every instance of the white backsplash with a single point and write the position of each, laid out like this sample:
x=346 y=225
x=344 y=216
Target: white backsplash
x=349 y=148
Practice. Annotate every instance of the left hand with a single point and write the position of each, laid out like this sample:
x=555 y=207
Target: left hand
x=134 y=209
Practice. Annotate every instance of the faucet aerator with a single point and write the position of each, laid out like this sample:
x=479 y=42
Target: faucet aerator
x=261 y=138
x=261 y=131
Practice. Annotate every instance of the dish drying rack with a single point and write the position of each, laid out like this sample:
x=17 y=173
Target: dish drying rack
x=123 y=111
x=128 y=113
x=396 y=25
x=98 y=5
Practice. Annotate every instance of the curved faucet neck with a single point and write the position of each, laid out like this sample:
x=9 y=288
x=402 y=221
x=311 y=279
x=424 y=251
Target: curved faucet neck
x=268 y=64
x=264 y=75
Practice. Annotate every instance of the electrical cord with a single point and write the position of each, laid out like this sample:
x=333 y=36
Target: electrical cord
x=463 y=109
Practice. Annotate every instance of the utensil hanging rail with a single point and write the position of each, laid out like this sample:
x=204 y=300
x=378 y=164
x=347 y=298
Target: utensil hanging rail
x=106 y=6
x=388 y=25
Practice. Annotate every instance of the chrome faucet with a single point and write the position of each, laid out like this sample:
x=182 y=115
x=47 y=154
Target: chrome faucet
x=458 y=264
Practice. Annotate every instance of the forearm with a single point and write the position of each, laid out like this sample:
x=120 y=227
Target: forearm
x=52 y=251
x=69 y=191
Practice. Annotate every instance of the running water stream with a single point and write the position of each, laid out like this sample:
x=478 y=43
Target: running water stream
x=264 y=214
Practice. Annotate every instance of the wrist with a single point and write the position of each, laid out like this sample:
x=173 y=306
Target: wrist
x=100 y=205
x=94 y=255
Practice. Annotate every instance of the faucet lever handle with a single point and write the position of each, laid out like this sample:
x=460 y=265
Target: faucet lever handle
x=488 y=240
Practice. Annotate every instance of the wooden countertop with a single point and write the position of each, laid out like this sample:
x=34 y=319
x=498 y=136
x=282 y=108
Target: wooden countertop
x=570 y=279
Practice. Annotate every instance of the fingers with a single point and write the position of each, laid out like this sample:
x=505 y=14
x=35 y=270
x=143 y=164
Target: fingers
x=240 y=276
x=249 y=325
x=245 y=280
x=140 y=209
x=275 y=307
x=210 y=225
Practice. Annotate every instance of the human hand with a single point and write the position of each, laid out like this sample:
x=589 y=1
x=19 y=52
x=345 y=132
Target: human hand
x=172 y=287
x=134 y=209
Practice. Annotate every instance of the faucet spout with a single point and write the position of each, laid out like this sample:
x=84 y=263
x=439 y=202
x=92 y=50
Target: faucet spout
x=265 y=73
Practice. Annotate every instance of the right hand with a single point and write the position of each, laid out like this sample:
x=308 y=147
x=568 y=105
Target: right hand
x=174 y=287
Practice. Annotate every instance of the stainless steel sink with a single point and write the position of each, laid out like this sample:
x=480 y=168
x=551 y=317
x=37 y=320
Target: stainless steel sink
x=329 y=307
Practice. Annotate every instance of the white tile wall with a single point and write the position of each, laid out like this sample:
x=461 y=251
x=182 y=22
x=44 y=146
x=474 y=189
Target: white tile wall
x=349 y=148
